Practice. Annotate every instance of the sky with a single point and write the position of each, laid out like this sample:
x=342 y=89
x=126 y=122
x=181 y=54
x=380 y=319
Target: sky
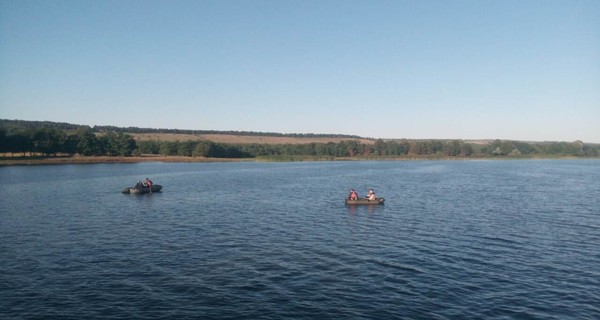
x=511 y=70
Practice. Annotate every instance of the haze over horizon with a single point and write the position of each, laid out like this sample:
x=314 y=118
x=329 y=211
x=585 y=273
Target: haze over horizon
x=511 y=70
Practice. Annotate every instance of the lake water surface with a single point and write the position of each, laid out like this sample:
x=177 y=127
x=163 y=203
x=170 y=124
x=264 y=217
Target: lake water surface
x=454 y=240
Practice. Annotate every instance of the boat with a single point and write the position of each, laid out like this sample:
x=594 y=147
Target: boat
x=366 y=201
x=134 y=190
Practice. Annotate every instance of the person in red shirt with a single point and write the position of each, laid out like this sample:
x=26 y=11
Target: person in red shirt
x=148 y=184
x=353 y=195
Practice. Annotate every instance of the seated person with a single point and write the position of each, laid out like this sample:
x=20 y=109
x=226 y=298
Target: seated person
x=353 y=195
x=371 y=195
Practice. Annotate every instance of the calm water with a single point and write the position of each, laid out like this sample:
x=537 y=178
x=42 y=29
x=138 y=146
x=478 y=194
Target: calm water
x=455 y=240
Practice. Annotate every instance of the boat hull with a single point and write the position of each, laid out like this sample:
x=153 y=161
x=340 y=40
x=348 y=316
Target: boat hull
x=365 y=201
x=131 y=190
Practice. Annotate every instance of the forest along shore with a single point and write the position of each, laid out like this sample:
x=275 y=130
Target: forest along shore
x=53 y=143
x=24 y=161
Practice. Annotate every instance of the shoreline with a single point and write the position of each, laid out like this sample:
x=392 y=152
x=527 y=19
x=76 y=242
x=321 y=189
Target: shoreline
x=31 y=161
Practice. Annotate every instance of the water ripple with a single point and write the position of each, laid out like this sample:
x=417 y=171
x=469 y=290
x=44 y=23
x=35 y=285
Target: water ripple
x=455 y=240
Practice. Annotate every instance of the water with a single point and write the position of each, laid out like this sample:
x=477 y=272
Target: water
x=455 y=240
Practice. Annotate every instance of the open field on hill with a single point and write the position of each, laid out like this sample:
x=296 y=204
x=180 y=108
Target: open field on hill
x=238 y=139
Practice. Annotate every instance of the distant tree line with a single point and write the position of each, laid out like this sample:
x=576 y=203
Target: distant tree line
x=51 y=139
x=22 y=125
x=381 y=148
x=230 y=132
x=191 y=148
x=517 y=148
x=19 y=125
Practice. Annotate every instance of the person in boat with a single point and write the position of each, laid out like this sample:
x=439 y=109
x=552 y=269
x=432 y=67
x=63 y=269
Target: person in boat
x=353 y=195
x=148 y=184
x=139 y=185
x=371 y=195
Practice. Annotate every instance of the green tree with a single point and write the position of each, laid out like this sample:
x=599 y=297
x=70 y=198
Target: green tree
x=20 y=143
x=169 y=148
x=466 y=149
x=453 y=148
x=87 y=143
x=400 y=148
x=202 y=149
x=186 y=148
x=109 y=143
x=117 y=144
x=4 y=147
x=48 y=141
x=524 y=148
x=380 y=148
x=148 y=147
x=352 y=148
x=70 y=145
x=590 y=150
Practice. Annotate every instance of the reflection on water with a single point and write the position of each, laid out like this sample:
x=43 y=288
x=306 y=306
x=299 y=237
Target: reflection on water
x=369 y=208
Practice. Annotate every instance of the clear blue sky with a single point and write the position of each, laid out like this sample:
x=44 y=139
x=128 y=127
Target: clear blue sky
x=521 y=70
